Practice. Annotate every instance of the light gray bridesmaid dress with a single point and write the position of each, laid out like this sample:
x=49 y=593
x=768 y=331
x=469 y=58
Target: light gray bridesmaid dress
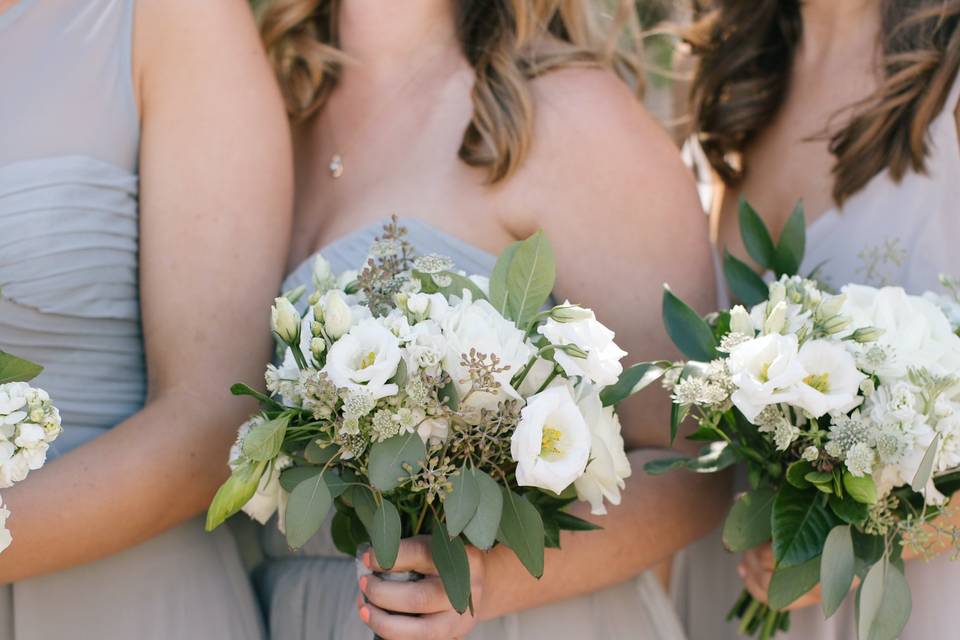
x=889 y=233
x=69 y=138
x=311 y=594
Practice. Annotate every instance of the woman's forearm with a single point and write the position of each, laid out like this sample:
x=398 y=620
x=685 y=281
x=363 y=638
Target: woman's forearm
x=659 y=515
x=154 y=471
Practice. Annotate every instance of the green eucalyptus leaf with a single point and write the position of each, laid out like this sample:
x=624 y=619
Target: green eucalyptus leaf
x=315 y=454
x=789 y=583
x=925 y=470
x=450 y=557
x=836 y=568
x=747 y=287
x=521 y=529
x=290 y=478
x=462 y=502
x=14 y=369
x=792 y=244
x=481 y=531
x=748 y=523
x=262 y=443
x=387 y=460
x=800 y=525
x=632 y=380
x=860 y=489
x=867 y=551
x=530 y=277
x=234 y=493
x=348 y=533
x=756 y=237
x=498 y=281
x=385 y=534
x=885 y=603
x=364 y=505
x=307 y=507
x=689 y=332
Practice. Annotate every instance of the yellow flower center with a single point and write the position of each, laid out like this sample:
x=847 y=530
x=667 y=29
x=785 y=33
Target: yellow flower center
x=550 y=442
x=819 y=381
x=765 y=372
x=368 y=360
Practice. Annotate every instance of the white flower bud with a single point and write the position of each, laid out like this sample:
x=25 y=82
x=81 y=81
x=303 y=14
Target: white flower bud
x=337 y=317
x=418 y=304
x=867 y=334
x=285 y=321
x=570 y=313
x=831 y=306
x=316 y=329
x=317 y=347
x=778 y=293
x=776 y=318
x=740 y=321
x=314 y=298
x=322 y=273
x=836 y=324
x=810 y=454
x=295 y=294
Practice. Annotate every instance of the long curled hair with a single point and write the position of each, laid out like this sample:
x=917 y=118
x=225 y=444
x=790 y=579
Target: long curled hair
x=746 y=49
x=503 y=40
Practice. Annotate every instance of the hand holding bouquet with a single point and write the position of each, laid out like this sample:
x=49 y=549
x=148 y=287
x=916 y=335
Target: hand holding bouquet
x=845 y=409
x=28 y=424
x=414 y=399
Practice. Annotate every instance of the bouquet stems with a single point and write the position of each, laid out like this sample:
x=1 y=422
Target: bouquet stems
x=758 y=619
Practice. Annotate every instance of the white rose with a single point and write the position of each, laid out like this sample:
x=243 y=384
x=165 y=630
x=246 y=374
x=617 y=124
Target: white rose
x=337 y=317
x=425 y=348
x=269 y=495
x=609 y=465
x=285 y=320
x=765 y=371
x=477 y=325
x=832 y=380
x=366 y=356
x=602 y=364
x=551 y=444
x=433 y=430
x=916 y=333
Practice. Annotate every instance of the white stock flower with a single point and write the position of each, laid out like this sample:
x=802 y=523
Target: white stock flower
x=608 y=465
x=337 y=316
x=551 y=444
x=916 y=333
x=367 y=356
x=477 y=325
x=285 y=320
x=765 y=371
x=831 y=381
x=602 y=364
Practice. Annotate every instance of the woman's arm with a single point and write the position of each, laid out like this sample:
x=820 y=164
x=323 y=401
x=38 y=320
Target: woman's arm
x=215 y=221
x=608 y=187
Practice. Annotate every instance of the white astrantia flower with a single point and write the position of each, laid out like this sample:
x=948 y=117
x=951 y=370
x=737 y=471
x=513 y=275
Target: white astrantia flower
x=551 y=444
x=765 y=371
x=860 y=460
x=604 y=476
x=478 y=326
x=602 y=364
x=831 y=379
x=367 y=356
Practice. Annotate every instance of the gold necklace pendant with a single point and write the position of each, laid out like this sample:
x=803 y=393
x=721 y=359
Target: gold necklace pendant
x=336 y=166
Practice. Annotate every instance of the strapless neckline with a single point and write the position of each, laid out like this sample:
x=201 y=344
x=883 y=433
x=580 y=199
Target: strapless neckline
x=415 y=227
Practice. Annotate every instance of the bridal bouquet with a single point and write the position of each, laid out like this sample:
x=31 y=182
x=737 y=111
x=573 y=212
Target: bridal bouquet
x=28 y=424
x=411 y=398
x=845 y=409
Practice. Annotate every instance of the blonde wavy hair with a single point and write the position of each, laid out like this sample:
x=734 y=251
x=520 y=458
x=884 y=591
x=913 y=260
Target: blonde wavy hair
x=507 y=42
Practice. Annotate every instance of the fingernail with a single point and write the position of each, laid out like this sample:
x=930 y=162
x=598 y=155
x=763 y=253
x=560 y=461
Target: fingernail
x=741 y=571
x=359 y=601
x=366 y=560
x=365 y=615
x=363 y=584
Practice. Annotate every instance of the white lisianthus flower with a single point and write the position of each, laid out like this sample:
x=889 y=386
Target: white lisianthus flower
x=537 y=376
x=551 y=444
x=765 y=371
x=269 y=496
x=337 y=316
x=916 y=333
x=608 y=465
x=831 y=381
x=477 y=325
x=367 y=356
x=285 y=320
x=602 y=364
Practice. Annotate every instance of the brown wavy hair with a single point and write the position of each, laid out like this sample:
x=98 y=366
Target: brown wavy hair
x=507 y=42
x=746 y=49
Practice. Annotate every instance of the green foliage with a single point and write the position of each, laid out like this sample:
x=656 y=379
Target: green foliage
x=521 y=529
x=748 y=523
x=530 y=278
x=689 y=332
x=450 y=557
x=792 y=245
x=860 y=489
x=884 y=602
x=712 y=458
x=461 y=504
x=756 y=237
x=800 y=525
x=747 y=287
x=837 y=566
x=388 y=458
x=482 y=529
x=632 y=380
x=263 y=442
x=385 y=530
x=789 y=583
x=309 y=503
x=14 y=369
x=925 y=470
x=234 y=493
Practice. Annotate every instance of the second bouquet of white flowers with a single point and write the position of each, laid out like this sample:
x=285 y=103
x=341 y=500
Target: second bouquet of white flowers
x=412 y=399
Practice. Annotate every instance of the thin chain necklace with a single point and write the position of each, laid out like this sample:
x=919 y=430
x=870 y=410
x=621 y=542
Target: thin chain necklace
x=336 y=166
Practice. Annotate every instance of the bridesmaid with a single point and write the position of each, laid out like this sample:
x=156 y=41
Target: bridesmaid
x=853 y=107
x=479 y=122
x=144 y=198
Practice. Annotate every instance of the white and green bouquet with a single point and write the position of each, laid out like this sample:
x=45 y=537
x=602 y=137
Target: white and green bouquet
x=28 y=424
x=844 y=409
x=413 y=399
